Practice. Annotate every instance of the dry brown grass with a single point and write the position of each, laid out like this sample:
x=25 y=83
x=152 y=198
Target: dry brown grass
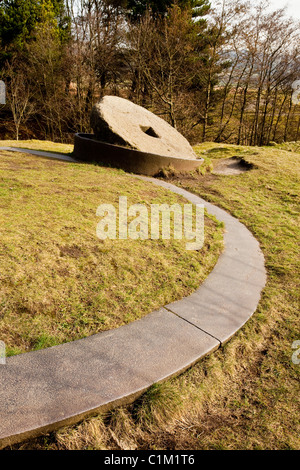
x=245 y=395
x=59 y=282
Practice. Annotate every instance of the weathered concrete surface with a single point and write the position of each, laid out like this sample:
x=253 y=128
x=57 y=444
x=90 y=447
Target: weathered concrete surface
x=43 y=390
x=230 y=294
x=118 y=121
x=213 y=307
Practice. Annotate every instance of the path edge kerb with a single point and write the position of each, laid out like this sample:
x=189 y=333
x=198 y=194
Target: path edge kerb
x=43 y=390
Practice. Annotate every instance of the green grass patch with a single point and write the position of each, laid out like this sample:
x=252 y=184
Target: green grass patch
x=44 y=145
x=59 y=282
x=246 y=394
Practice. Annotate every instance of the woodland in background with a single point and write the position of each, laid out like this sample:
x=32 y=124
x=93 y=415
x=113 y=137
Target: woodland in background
x=219 y=73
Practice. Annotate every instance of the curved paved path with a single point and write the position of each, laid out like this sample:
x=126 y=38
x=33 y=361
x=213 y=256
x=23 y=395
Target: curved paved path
x=42 y=390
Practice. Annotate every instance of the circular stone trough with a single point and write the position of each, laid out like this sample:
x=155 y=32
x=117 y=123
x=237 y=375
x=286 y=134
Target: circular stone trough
x=88 y=149
x=130 y=137
x=43 y=390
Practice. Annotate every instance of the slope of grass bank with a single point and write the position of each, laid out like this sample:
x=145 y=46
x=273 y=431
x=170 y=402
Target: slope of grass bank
x=59 y=282
x=245 y=395
x=44 y=145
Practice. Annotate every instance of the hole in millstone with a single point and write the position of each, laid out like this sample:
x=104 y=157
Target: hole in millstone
x=149 y=131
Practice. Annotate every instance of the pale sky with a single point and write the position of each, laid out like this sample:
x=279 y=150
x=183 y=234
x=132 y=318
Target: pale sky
x=293 y=7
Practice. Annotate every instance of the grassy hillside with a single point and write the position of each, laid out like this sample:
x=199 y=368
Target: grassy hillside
x=245 y=395
x=43 y=145
x=59 y=282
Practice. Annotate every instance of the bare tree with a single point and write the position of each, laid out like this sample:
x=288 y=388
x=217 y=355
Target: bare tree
x=165 y=58
x=223 y=25
x=19 y=94
x=265 y=58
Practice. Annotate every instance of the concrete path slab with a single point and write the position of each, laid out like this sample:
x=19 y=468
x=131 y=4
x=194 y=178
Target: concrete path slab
x=40 y=153
x=227 y=299
x=42 y=390
x=45 y=389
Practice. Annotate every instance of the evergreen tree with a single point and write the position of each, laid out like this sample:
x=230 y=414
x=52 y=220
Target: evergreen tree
x=20 y=18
